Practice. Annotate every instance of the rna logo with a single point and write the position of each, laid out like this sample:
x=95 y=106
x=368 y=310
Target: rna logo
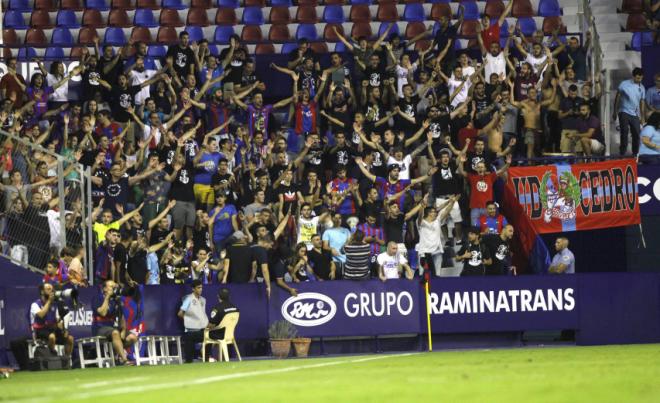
x=309 y=309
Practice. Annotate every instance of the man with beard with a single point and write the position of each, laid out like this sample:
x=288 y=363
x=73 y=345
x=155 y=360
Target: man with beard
x=123 y=96
x=588 y=137
x=183 y=56
x=446 y=183
x=258 y=113
x=499 y=250
x=340 y=155
x=138 y=74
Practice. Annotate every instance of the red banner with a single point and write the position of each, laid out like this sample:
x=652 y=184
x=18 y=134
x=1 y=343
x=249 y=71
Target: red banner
x=561 y=197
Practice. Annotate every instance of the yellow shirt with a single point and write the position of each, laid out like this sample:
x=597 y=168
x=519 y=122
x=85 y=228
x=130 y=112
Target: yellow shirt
x=100 y=229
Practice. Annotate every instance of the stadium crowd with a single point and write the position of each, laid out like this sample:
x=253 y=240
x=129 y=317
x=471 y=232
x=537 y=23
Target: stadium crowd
x=369 y=169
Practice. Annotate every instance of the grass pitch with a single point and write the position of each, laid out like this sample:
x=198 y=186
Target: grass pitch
x=568 y=374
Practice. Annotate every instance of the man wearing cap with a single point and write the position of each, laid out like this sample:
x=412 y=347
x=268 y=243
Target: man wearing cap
x=193 y=313
x=219 y=311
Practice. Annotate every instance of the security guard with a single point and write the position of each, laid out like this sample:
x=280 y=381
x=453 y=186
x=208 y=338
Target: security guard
x=219 y=311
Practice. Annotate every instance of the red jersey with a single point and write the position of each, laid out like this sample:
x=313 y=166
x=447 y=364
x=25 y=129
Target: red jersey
x=490 y=35
x=481 y=189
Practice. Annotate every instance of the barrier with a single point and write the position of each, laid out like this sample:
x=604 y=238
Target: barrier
x=603 y=308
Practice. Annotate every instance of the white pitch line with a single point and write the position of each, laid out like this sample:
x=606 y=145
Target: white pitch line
x=109 y=383
x=220 y=378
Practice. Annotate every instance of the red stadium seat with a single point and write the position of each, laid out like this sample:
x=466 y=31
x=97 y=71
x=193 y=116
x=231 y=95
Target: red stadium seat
x=119 y=18
x=632 y=6
x=472 y=44
x=440 y=9
x=35 y=37
x=329 y=34
x=255 y=3
x=197 y=17
x=319 y=47
x=47 y=5
x=9 y=37
x=141 y=34
x=251 y=33
x=494 y=8
x=123 y=4
x=167 y=35
x=170 y=18
x=71 y=5
x=422 y=45
x=86 y=35
x=360 y=13
x=552 y=23
x=40 y=19
x=279 y=33
x=469 y=29
x=309 y=2
x=279 y=15
x=387 y=12
x=414 y=28
x=150 y=4
x=335 y=2
x=6 y=53
x=226 y=16
x=264 y=49
x=92 y=18
x=76 y=52
x=522 y=8
x=201 y=4
x=361 y=29
x=636 y=22
x=307 y=15
x=412 y=1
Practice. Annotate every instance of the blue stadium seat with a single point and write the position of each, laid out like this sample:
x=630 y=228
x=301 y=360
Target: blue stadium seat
x=333 y=14
x=20 y=5
x=97 y=5
x=640 y=39
x=471 y=10
x=144 y=17
x=62 y=36
x=383 y=27
x=26 y=54
x=440 y=1
x=354 y=2
x=288 y=48
x=195 y=33
x=504 y=28
x=229 y=3
x=156 y=51
x=527 y=25
x=549 y=8
x=14 y=19
x=340 y=47
x=307 y=31
x=253 y=16
x=175 y=4
x=54 y=53
x=150 y=63
x=222 y=34
x=114 y=36
x=414 y=12
x=214 y=50
x=282 y=3
x=67 y=19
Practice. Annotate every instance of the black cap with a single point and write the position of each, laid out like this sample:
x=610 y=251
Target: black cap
x=223 y=294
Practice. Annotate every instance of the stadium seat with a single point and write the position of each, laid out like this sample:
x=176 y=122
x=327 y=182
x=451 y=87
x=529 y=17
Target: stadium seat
x=223 y=33
x=195 y=33
x=76 y=52
x=552 y=23
x=150 y=63
x=383 y=27
x=422 y=45
x=264 y=49
x=361 y=29
x=360 y=13
x=114 y=36
x=46 y=5
x=306 y=15
x=440 y=9
x=333 y=14
x=35 y=37
x=40 y=19
x=636 y=22
x=340 y=47
x=157 y=51
x=214 y=50
x=92 y=18
x=144 y=17
x=14 y=19
x=54 y=53
x=387 y=12
x=288 y=48
x=74 y=5
x=19 y=5
x=25 y=54
x=307 y=31
x=254 y=3
x=311 y=3
x=86 y=35
x=329 y=33
x=279 y=33
x=175 y=4
x=119 y=18
x=641 y=39
x=226 y=16
x=522 y=8
x=167 y=36
x=229 y=3
x=281 y=3
x=468 y=29
x=97 y=5
x=169 y=17
x=527 y=25
x=122 y=4
x=141 y=34
x=494 y=8
x=414 y=28
x=251 y=33
x=9 y=37
x=206 y=4
x=471 y=10
x=504 y=29
x=62 y=36
x=198 y=17
x=414 y=12
x=549 y=8
x=279 y=15
x=335 y=2
x=252 y=16
x=361 y=2
x=319 y=47
x=632 y=6
x=151 y=4
x=67 y=19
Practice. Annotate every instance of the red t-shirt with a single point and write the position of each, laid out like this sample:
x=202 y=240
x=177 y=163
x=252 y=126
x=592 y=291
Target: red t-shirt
x=481 y=189
x=467 y=133
x=490 y=35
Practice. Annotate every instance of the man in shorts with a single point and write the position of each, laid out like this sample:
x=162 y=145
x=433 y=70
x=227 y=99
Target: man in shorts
x=107 y=311
x=47 y=325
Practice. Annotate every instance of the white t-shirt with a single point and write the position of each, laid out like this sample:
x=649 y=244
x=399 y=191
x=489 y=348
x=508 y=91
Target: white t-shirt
x=402 y=78
x=462 y=96
x=494 y=64
x=391 y=264
x=307 y=228
x=157 y=136
x=536 y=62
x=404 y=166
x=61 y=94
x=137 y=78
x=430 y=236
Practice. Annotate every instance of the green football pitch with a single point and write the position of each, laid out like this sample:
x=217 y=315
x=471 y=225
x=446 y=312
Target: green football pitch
x=558 y=374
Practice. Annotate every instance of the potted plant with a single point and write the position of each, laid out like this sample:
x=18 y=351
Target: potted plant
x=301 y=346
x=281 y=332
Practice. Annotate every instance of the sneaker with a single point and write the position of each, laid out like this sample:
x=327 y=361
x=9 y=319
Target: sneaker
x=211 y=359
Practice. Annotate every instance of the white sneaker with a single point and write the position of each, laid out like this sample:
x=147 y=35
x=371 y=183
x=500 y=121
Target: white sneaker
x=211 y=359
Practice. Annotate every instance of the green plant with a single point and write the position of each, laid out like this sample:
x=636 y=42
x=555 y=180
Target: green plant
x=281 y=329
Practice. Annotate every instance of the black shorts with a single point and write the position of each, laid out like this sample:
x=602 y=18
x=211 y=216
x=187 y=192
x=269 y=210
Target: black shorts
x=105 y=332
x=43 y=334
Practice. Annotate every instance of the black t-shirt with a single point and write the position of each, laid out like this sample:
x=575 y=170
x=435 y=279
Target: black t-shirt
x=475 y=264
x=320 y=262
x=201 y=239
x=446 y=181
x=121 y=260
x=339 y=157
x=224 y=181
x=122 y=99
x=289 y=193
x=315 y=160
x=158 y=235
x=275 y=171
x=240 y=263
x=308 y=81
x=393 y=228
x=409 y=108
x=236 y=65
x=342 y=112
x=487 y=157
x=90 y=84
x=260 y=255
x=219 y=311
x=375 y=76
x=115 y=192
x=500 y=252
x=112 y=75
x=183 y=59
x=182 y=187
x=137 y=266
x=163 y=103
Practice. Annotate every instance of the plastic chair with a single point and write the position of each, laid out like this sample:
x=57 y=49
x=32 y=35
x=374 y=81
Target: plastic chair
x=26 y=54
x=387 y=12
x=340 y=47
x=19 y=5
x=46 y=5
x=468 y=29
x=383 y=27
x=169 y=17
x=141 y=34
x=527 y=25
x=97 y=5
x=552 y=23
x=471 y=10
x=281 y=3
x=306 y=31
x=641 y=39
x=67 y=19
x=226 y=16
x=254 y=3
x=361 y=29
x=76 y=52
x=335 y=2
x=522 y=8
x=86 y=35
x=71 y=5
x=252 y=16
x=228 y=323
x=414 y=28
x=439 y=10
x=229 y=3
x=333 y=14
x=319 y=47
x=288 y=48
x=549 y=8
x=104 y=357
x=422 y=45
x=54 y=53
x=629 y=6
x=9 y=37
x=223 y=33
x=62 y=36
x=306 y=15
x=167 y=35
x=251 y=33
x=329 y=33
x=114 y=36
x=40 y=19
x=175 y=4
x=494 y=8
x=144 y=17
x=361 y=2
x=119 y=18
x=360 y=13
x=198 y=17
x=150 y=4
x=206 y=4
x=279 y=33
x=195 y=33
x=636 y=22
x=264 y=49
x=414 y=13
x=157 y=51
x=311 y=3
x=92 y=18
x=35 y=37
x=279 y=15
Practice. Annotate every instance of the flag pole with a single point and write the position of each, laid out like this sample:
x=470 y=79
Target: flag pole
x=428 y=314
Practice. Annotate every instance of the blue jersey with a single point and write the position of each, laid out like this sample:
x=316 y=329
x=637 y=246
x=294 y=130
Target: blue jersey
x=207 y=166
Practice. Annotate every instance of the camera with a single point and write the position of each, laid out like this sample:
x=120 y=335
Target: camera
x=68 y=295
